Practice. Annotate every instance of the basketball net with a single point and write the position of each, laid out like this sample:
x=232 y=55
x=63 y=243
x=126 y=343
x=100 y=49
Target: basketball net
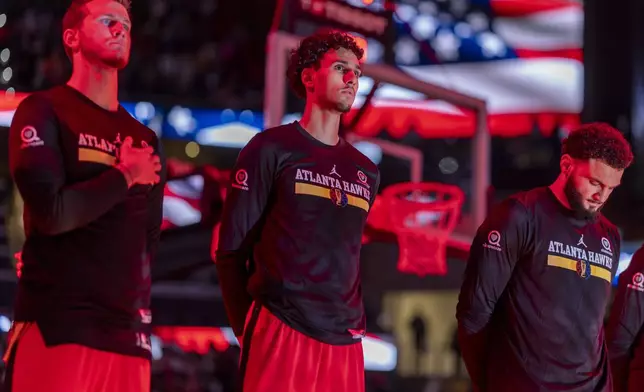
x=422 y=215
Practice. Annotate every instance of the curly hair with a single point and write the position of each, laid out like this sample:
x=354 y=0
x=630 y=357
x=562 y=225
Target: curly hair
x=310 y=52
x=76 y=12
x=599 y=141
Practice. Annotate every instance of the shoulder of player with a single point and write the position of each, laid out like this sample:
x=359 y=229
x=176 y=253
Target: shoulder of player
x=609 y=228
x=606 y=224
x=54 y=95
x=280 y=132
x=274 y=137
x=522 y=201
x=513 y=208
x=35 y=110
x=39 y=99
x=49 y=101
x=361 y=159
x=637 y=260
x=527 y=201
x=142 y=130
x=533 y=196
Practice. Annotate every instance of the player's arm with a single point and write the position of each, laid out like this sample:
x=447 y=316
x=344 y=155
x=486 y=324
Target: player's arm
x=155 y=207
x=498 y=245
x=37 y=167
x=243 y=210
x=626 y=320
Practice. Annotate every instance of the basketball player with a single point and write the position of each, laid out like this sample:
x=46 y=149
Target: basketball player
x=625 y=326
x=532 y=305
x=290 y=237
x=92 y=186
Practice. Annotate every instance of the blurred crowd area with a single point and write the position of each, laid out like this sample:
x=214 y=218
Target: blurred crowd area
x=206 y=52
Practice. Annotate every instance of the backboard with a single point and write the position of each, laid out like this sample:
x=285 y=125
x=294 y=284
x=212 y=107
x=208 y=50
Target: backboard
x=279 y=46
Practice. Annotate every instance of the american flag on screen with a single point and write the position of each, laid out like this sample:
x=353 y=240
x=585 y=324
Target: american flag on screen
x=524 y=57
x=182 y=202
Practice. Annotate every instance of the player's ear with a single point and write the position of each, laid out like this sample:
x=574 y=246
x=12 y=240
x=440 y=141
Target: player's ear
x=308 y=78
x=566 y=164
x=70 y=39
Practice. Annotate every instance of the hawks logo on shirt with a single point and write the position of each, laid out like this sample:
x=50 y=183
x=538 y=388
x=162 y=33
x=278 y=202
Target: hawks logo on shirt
x=338 y=197
x=583 y=268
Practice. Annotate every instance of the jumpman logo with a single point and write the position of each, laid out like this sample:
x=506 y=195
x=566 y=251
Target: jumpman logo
x=581 y=241
x=334 y=172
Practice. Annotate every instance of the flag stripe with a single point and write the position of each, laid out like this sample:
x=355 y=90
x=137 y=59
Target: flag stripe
x=573 y=54
x=397 y=121
x=513 y=86
x=558 y=29
x=519 y=8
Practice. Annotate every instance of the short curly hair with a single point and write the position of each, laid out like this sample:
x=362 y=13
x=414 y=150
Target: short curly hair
x=599 y=141
x=310 y=52
x=76 y=13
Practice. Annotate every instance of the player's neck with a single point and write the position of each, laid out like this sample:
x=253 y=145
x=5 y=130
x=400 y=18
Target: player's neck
x=97 y=83
x=558 y=189
x=322 y=124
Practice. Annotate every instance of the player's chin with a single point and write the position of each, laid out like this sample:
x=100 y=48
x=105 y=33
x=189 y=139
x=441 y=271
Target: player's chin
x=117 y=61
x=592 y=212
x=344 y=106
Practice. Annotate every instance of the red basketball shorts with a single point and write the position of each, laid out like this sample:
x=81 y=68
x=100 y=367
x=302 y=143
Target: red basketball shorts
x=34 y=367
x=276 y=357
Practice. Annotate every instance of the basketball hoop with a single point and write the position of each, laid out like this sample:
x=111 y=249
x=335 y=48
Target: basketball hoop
x=423 y=215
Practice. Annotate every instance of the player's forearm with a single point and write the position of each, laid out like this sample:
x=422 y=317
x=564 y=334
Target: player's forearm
x=473 y=317
x=619 y=368
x=473 y=313
x=623 y=327
x=152 y=247
x=473 y=347
x=233 y=280
x=619 y=343
x=56 y=211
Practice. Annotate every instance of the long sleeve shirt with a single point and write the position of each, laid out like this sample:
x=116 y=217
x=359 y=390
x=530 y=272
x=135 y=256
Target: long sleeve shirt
x=625 y=326
x=89 y=239
x=291 y=232
x=532 y=304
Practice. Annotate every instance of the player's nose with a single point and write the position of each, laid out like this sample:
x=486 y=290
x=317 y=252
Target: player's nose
x=601 y=196
x=350 y=78
x=118 y=29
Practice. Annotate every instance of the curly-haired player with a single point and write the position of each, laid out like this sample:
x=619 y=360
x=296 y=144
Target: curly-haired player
x=290 y=237
x=531 y=308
